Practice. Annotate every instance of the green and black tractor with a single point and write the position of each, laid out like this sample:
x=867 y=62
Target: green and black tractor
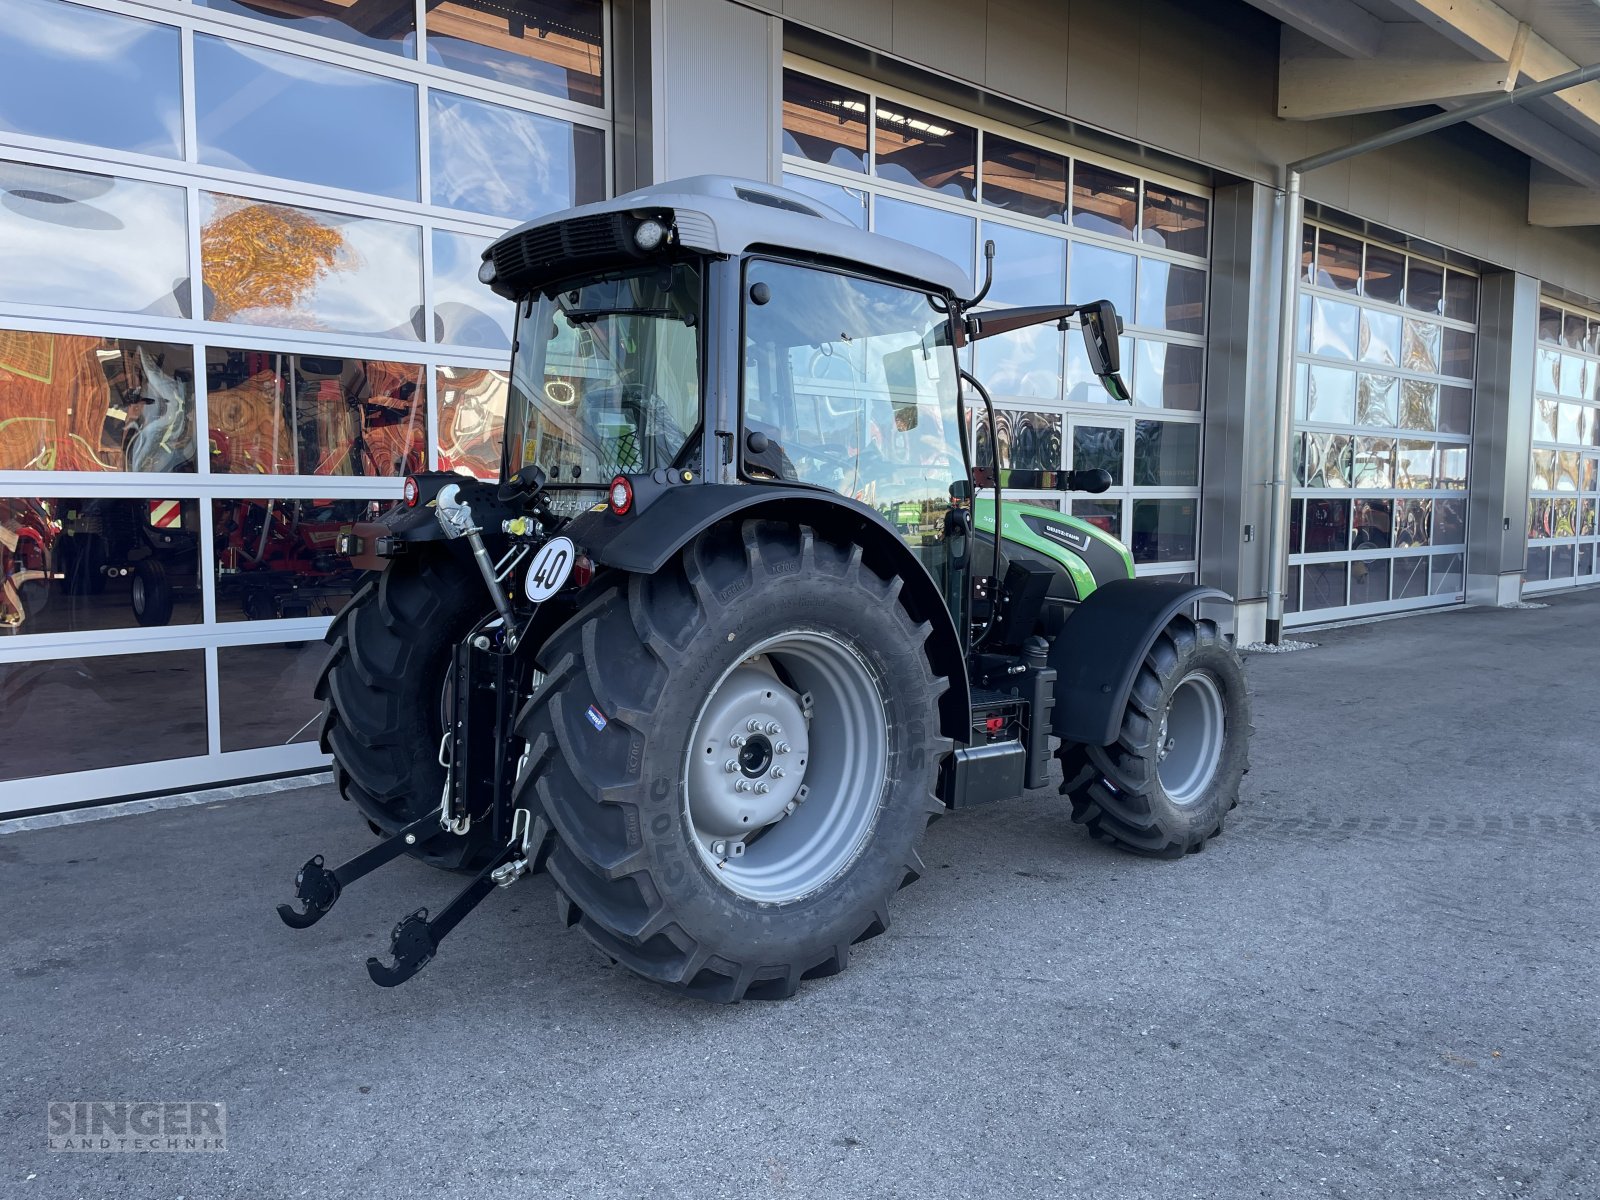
x=742 y=614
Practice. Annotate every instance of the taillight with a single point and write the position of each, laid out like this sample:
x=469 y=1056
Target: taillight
x=410 y=491
x=621 y=495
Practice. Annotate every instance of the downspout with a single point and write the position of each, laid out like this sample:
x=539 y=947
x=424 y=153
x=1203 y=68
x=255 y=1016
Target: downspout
x=1289 y=218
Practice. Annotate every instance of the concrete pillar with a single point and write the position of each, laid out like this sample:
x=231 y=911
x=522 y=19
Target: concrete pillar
x=716 y=89
x=1502 y=432
x=1235 y=500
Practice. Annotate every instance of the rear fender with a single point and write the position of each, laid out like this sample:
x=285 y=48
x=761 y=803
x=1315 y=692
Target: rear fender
x=645 y=540
x=1098 y=652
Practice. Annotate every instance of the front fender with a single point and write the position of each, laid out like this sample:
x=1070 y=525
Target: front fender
x=1099 y=650
x=643 y=541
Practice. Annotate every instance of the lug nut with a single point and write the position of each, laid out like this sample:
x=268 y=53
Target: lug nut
x=777 y=772
x=731 y=766
x=741 y=785
x=774 y=728
x=782 y=748
x=754 y=726
x=763 y=788
x=738 y=739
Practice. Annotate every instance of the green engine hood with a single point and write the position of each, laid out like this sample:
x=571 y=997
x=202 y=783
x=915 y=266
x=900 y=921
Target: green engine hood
x=1087 y=553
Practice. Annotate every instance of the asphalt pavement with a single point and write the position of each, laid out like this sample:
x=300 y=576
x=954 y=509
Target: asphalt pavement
x=1380 y=982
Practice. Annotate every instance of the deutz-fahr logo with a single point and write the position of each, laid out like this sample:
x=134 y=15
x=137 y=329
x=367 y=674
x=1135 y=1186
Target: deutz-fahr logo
x=1071 y=538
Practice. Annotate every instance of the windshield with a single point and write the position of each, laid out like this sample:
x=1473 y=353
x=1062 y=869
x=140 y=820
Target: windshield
x=606 y=377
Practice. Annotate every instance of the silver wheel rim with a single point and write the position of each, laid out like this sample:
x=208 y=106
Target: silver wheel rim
x=785 y=767
x=1191 y=736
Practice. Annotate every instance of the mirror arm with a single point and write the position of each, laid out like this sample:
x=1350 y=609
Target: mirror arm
x=1005 y=320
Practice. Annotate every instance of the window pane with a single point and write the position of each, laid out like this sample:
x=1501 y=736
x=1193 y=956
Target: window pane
x=1550 y=325
x=1369 y=581
x=1338 y=260
x=1574 y=331
x=1024 y=179
x=1458 y=353
x=850 y=203
x=1168 y=375
x=472 y=416
x=492 y=159
x=946 y=233
x=926 y=151
x=1419 y=405
x=302 y=414
x=551 y=46
x=1420 y=346
x=1372 y=525
x=1164 y=530
x=1447 y=574
x=1374 y=463
x=1105 y=515
x=267 y=694
x=83 y=714
x=1377 y=400
x=1424 y=287
x=1324 y=586
x=1103 y=200
x=1413 y=525
x=1029 y=268
x=1102 y=274
x=1166 y=454
x=1414 y=465
x=68 y=565
x=1029 y=441
x=1410 y=577
x=1172 y=297
x=1023 y=363
x=1327 y=526
x=1455 y=410
x=1385 y=274
x=1174 y=220
x=1331 y=395
x=1461 y=296
x=91 y=241
x=1099 y=447
x=824 y=122
x=1449 y=522
x=280 y=558
x=1380 y=337
x=1333 y=328
x=70 y=402
x=297 y=268
x=74 y=73
x=375 y=24
x=283 y=115
x=464 y=310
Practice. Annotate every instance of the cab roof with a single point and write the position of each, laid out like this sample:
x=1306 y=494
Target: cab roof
x=721 y=214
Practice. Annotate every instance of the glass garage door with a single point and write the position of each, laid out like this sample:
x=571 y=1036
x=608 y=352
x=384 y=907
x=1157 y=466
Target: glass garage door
x=1564 y=480
x=239 y=301
x=1067 y=226
x=1383 y=413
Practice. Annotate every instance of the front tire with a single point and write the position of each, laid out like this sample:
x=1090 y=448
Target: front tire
x=1164 y=786
x=630 y=736
x=150 y=593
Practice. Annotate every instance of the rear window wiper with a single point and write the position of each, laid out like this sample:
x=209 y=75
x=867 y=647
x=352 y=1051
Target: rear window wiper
x=587 y=316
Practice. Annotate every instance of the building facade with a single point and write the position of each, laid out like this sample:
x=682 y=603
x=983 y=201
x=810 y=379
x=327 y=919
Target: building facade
x=239 y=304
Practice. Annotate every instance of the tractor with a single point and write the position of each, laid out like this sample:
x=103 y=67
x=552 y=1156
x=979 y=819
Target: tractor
x=741 y=615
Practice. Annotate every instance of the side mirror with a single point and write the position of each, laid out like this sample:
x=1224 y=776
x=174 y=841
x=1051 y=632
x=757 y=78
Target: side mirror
x=1101 y=328
x=1094 y=481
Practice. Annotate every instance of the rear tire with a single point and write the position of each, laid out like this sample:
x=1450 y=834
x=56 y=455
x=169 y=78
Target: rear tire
x=1166 y=796
x=382 y=690
x=635 y=689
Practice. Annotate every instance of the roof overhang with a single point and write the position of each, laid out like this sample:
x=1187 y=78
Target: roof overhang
x=1341 y=57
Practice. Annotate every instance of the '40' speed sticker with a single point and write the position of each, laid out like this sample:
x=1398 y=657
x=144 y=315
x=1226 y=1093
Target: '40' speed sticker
x=550 y=568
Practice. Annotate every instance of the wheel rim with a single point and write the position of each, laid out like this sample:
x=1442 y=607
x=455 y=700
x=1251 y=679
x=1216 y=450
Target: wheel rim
x=785 y=767
x=1192 y=733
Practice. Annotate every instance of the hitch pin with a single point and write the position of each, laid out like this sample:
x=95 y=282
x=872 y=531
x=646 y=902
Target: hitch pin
x=455 y=518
